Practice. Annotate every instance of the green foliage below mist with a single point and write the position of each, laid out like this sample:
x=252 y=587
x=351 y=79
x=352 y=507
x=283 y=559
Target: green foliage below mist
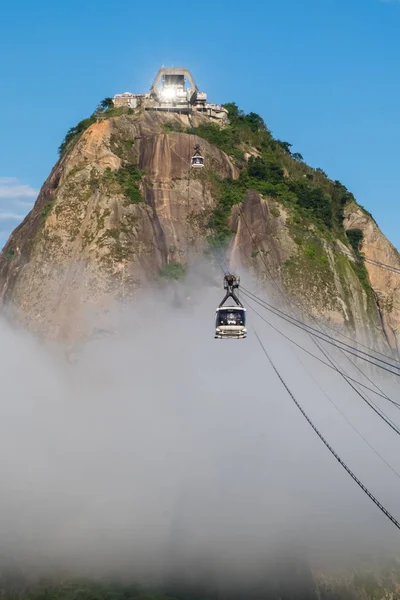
x=173 y=271
x=82 y=590
x=361 y=585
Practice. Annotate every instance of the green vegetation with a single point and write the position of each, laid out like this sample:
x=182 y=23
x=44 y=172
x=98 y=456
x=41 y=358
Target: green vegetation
x=250 y=121
x=229 y=193
x=361 y=585
x=106 y=104
x=74 y=133
x=173 y=271
x=275 y=212
x=10 y=254
x=266 y=165
x=355 y=237
x=268 y=169
x=275 y=172
x=129 y=177
x=173 y=127
x=123 y=148
x=314 y=251
x=83 y=590
x=226 y=139
x=310 y=251
x=47 y=209
x=125 y=180
x=105 y=110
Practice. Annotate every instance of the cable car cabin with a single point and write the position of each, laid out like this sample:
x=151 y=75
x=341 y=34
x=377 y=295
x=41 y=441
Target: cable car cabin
x=230 y=322
x=197 y=161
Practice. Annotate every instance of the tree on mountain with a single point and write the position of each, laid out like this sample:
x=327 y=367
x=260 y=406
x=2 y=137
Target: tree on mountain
x=106 y=104
x=256 y=122
x=233 y=110
x=285 y=146
x=266 y=170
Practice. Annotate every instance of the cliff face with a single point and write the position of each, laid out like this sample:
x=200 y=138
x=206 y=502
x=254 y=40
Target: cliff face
x=318 y=273
x=86 y=244
x=123 y=205
x=384 y=282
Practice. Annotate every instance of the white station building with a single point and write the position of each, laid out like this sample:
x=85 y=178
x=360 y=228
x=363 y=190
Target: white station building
x=173 y=90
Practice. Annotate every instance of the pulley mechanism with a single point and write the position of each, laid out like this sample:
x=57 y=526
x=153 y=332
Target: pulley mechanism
x=231 y=283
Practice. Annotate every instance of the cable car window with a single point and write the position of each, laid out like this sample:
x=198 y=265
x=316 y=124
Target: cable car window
x=230 y=317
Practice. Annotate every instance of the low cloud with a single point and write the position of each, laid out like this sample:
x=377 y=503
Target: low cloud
x=10 y=187
x=161 y=451
x=24 y=203
x=10 y=216
x=16 y=199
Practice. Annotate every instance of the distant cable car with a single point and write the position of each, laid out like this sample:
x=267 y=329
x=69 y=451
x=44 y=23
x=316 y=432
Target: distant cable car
x=230 y=320
x=197 y=159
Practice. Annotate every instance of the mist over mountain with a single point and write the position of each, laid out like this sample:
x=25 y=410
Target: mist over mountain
x=157 y=454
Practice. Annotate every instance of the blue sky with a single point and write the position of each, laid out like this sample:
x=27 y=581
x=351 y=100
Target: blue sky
x=324 y=75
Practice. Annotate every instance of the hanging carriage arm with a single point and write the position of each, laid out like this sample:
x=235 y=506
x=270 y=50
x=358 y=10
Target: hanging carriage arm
x=230 y=284
x=197 y=151
x=231 y=294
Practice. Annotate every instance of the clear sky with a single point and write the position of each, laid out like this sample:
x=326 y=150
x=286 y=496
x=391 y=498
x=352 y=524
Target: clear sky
x=324 y=75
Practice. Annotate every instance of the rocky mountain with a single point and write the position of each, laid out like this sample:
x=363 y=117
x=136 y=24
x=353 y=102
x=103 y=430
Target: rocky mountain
x=122 y=208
